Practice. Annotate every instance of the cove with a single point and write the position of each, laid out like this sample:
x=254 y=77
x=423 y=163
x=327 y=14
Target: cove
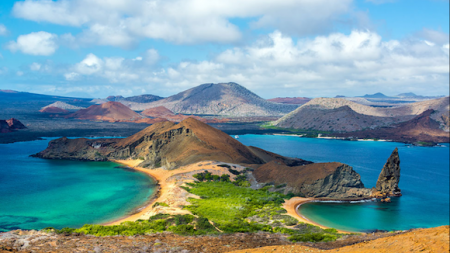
x=37 y=193
x=424 y=181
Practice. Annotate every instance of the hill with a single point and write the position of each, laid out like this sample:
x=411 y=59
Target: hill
x=290 y=100
x=376 y=95
x=227 y=99
x=342 y=115
x=110 y=111
x=145 y=98
x=62 y=105
x=157 y=112
x=55 y=110
x=7 y=126
x=422 y=128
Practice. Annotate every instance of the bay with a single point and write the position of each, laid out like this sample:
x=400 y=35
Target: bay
x=38 y=193
x=424 y=181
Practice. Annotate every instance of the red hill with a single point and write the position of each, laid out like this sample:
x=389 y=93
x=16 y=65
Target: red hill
x=110 y=111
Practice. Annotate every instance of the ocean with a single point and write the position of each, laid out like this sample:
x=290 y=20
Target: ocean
x=38 y=193
x=424 y=181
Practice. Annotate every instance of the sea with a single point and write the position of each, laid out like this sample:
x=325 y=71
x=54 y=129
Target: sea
x=38 y=193
x=424 y=181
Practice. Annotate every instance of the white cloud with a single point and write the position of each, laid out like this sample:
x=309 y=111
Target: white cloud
x=90 y=65
x=353 y=64
x=3 y=30
x=35 y=66
x=37 y=43
x=123 y=22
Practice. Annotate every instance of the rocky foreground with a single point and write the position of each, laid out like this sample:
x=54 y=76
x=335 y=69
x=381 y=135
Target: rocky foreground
x=418 y=240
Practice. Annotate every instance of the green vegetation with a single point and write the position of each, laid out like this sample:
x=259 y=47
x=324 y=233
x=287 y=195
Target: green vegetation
x=178 y=224
x=426 y=144
x=234 y=208
x=224 y=206
x=160 y=204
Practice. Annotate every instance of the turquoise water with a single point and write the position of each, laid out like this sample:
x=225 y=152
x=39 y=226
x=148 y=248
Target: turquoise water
x=37 y=193
x=424 y=181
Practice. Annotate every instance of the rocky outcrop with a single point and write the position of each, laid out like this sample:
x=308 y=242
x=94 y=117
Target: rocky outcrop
x=7 y=126
x=329 y=180
x=389 y=178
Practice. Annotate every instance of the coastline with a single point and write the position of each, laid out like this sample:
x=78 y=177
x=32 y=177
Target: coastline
x=169 y=192
x=292 y=205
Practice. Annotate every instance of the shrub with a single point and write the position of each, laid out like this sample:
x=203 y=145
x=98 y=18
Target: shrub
x=313 y=237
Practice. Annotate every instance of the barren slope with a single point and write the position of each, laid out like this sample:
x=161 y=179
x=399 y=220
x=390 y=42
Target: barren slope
x=229 y=99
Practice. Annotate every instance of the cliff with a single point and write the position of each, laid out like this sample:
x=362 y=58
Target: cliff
x=319 y=180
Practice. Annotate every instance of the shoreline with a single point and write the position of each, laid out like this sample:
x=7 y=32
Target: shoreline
x=292 y=207
x=140 y=210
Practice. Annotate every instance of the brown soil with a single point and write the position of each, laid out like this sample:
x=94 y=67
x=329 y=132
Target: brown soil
x=421 y=240
x=110 y=111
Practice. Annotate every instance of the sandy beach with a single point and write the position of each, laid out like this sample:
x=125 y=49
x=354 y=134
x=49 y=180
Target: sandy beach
x=293 y=204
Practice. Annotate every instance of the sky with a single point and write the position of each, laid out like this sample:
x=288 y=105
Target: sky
x=275 y=48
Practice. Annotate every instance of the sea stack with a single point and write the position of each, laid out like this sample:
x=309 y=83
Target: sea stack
x=387 y=183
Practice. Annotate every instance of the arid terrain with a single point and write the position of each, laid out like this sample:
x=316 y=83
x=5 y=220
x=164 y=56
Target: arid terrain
x=432 y=240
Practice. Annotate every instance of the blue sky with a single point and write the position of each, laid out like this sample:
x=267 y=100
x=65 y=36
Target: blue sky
x=95 y=48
